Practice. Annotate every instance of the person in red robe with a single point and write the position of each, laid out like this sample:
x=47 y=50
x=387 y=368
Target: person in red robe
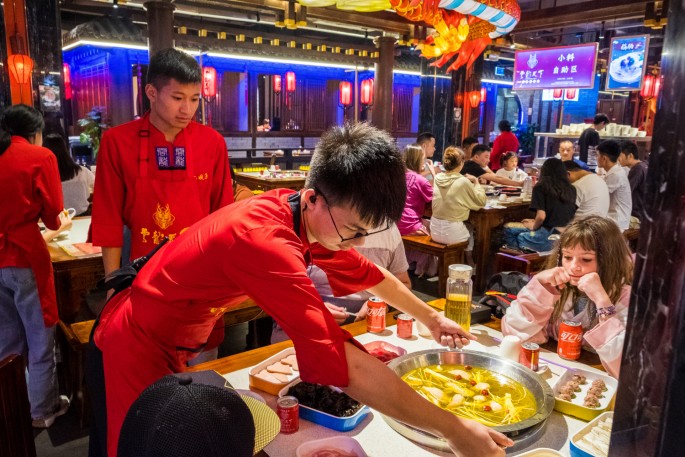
x=32 y=190
x=506 y=141
x=262 y=248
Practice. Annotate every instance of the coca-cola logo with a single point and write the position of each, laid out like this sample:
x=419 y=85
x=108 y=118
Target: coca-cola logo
x=571 y=337
x=377 y=311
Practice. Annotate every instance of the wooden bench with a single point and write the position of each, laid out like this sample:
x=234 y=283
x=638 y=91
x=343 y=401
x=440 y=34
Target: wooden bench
x=524 y=263
x=77 y=336
x=631 y=235
x=446 y=254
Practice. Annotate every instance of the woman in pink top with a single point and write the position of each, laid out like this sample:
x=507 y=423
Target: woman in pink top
x=572 y=289
x=419 y=194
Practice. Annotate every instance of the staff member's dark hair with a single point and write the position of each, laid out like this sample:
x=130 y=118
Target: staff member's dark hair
x=424 y=138
x=599 y=118
x=504 y=126
x=173 y=64
x=359 y=165
x=479 y=149
x=67 y=167
x=19 y=120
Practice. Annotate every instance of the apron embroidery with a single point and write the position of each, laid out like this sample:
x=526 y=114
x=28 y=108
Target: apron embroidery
x=180 y=158
x=163 y=217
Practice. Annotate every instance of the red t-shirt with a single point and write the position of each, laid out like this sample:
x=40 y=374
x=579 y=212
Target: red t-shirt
x=118 y=169
x=246 y=249
x=505 y=142
x=31 y=190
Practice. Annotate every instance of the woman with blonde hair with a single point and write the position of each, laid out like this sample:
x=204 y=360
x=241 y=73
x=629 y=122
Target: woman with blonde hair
x=454 y=196
x=587 y=280
x=419 y=194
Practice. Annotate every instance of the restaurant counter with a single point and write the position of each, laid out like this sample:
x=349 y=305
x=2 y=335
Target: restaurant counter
x=373 y=433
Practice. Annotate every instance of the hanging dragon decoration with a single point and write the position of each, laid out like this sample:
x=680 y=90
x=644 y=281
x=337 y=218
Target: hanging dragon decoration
x=462 y=27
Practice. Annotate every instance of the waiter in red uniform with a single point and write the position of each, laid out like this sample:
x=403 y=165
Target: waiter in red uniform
x=163 y=172
x=262 y=247
x=31 y=190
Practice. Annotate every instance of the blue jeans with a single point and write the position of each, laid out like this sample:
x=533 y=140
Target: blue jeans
x=23 y=332
x=520 y=238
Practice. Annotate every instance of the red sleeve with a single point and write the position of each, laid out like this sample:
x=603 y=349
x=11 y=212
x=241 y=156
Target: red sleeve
x=272 y=271
x=222 y=186
x=49 y=189
x=348 y=271
x=108 y=196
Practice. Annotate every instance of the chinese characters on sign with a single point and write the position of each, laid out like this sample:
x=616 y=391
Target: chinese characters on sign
x=560 y=67
x=627 y=62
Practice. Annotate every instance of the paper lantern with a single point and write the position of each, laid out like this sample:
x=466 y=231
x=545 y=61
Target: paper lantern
x=570 y=94
x=366 y=96
x=66 y=72
x=474 y=98
x=657 y=86
x=648 y=84
x=345 y=96
x=290 y=82
x=558 y=93
x=483 y=94
x=20 y=66
x=277 y=84
x=208 y=82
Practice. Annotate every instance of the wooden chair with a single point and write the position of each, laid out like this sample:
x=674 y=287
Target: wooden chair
x=16 y=433
x=631 y=235
x=525 y=263
x=446 y=254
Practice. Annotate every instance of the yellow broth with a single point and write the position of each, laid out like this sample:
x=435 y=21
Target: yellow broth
x=473 y=393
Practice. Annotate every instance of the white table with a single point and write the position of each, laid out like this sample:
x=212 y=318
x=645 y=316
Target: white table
x=376 y=436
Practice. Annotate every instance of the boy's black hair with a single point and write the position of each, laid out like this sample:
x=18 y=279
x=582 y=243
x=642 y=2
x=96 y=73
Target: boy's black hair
x=479 y=149
x=610 y=148
x=599 y=118
x=504 y=126
x=170 y=64
x=468 y=141
x=359 y=165
x=424 y=138
x=571 y=165
x=629 y=148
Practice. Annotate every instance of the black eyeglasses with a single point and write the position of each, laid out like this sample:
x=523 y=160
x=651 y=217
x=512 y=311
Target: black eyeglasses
x=356 y=235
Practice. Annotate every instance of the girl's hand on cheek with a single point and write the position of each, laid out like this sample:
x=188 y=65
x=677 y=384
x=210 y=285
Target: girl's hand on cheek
x=591 y=285
x=555 y=278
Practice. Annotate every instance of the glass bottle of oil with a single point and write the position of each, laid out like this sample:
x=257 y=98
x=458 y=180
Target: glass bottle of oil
x=459 y=290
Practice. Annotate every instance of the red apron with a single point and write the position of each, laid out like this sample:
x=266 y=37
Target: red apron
x=27 y=237
x=161 y=208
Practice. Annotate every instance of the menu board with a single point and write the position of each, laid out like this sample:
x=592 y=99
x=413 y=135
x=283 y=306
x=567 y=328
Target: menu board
x=627 y=62
x=559 y=67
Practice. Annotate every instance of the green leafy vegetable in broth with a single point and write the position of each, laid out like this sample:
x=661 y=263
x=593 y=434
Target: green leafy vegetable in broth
x=473 y=393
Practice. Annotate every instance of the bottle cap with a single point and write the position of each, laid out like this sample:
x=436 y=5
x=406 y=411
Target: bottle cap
x=462 y=272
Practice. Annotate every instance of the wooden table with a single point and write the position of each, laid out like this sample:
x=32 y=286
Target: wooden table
x=484 y=221
x=75 y=276
x=255 y=181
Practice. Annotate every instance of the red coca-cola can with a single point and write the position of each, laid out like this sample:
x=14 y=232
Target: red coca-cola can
x=375 y=318
x=288 y=410
x=570 y=340
x=404 y=325
x=530 y=355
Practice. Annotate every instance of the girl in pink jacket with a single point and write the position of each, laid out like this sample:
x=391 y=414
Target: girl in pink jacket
x=587 y=281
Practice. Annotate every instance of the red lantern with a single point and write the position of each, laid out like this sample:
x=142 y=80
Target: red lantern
x=277 y=84
x=345 y=96
x=570 y=94
x=657 y=86
x=66 y=71
x=20 y=67
x=558 y=93
x=208 y=82
x=290 y=82
x=483 y=94
x=474 y=98
x=648 y=86
x=366 y=96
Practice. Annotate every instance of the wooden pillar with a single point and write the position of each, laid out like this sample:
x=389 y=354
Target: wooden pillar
x=649 y=414
x=16 y=42
x=382 y=105
x=160 y=25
